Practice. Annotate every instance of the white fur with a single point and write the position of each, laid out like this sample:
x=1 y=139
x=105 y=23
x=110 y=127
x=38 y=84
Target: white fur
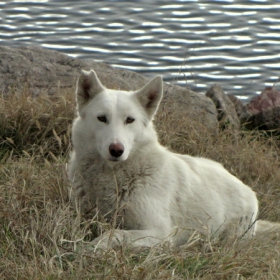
x=152 y=193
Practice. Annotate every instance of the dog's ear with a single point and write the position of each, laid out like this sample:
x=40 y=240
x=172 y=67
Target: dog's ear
x=88 y=86
x=150 y=95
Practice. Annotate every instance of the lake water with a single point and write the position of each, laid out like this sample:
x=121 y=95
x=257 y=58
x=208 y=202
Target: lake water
x=191 y=43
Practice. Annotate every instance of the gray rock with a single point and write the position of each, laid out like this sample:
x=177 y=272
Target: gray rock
x=227 y=115
x=44 y=70
x=240 y=108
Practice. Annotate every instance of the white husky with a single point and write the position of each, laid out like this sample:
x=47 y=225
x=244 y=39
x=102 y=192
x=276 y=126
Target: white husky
x=152 y=194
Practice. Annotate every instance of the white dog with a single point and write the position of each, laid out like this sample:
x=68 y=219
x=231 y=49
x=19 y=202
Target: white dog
x=151 y=194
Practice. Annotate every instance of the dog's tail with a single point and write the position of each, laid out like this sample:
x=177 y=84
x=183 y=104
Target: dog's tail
x=266 y=226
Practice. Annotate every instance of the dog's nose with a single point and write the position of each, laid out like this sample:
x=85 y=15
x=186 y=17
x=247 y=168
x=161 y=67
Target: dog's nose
x=116 y=149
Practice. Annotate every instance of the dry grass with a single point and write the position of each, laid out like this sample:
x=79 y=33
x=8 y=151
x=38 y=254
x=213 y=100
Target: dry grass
x=42 y=234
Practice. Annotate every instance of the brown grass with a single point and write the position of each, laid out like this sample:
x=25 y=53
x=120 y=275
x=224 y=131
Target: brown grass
x=42 y=235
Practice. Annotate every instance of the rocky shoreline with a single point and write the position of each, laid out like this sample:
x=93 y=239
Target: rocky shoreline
x=48 y=71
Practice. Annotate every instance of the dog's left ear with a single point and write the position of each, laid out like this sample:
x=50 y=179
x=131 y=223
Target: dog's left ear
x=150 y=95
x=88 y=86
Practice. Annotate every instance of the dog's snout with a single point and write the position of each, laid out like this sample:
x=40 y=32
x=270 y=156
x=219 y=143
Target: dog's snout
x=116 y=149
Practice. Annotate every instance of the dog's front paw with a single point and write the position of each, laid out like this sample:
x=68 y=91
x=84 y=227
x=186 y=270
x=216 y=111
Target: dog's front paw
x=101 y=243
x=104 y=242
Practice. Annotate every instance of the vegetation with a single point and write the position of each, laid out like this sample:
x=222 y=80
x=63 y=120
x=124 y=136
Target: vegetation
x=43 y=236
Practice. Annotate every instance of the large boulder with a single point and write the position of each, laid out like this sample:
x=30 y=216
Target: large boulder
x=44 y=70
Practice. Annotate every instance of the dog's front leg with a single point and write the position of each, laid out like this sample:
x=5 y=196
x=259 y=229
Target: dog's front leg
x=129 y=238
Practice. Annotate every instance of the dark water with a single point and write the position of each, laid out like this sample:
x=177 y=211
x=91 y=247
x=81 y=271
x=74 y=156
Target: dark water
x=193 y=43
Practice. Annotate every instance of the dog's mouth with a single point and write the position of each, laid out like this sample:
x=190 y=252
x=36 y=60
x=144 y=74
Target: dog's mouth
x=112 y=162
x=114 y=159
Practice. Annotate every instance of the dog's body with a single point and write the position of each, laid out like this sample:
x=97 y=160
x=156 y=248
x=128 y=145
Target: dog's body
x=152 y=194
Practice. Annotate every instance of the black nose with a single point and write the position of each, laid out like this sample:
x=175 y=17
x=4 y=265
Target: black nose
x=116 y=149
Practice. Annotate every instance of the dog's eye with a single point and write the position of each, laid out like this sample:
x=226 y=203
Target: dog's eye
x=129 y=120
x=102 y=119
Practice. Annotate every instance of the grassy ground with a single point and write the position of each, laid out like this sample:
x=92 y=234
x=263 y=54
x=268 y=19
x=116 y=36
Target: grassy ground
x=42 y=234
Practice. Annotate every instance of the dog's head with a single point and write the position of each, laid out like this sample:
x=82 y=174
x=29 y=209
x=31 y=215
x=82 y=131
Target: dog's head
x=114 y=122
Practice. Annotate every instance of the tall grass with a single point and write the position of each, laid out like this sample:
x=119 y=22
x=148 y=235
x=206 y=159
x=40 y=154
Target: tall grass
x=42 y=235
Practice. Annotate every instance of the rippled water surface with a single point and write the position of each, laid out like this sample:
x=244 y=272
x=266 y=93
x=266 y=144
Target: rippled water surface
x=194 y=43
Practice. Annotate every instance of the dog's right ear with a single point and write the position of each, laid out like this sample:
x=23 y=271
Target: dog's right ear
x=88 y=86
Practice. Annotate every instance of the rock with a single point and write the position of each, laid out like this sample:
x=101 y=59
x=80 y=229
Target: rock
x=44 y=70
x=263 y=111
x=240 y=108
x=227 y=115
x=267 y=100
x=48 y=70
x=266 y=120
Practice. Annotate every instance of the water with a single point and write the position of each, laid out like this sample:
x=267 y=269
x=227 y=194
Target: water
x=192 y=43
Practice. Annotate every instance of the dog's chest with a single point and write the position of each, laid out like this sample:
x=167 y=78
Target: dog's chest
x=115 y=192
